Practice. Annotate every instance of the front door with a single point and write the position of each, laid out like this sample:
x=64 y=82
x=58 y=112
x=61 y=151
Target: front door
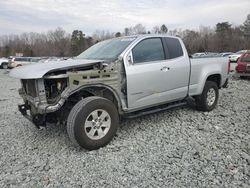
x=153 y=78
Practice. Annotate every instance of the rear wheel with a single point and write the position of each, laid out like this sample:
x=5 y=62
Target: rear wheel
x=92 y=122
x=207 y=101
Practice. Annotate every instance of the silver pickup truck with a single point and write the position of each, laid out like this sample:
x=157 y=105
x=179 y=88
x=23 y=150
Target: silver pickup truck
x=122 y=77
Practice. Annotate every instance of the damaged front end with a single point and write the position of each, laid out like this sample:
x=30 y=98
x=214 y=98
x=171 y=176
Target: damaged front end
x=51 y=89
x=46 y=99
x=41 y=97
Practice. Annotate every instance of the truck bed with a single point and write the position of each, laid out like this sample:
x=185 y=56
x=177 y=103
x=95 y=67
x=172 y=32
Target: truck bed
x=202 y=67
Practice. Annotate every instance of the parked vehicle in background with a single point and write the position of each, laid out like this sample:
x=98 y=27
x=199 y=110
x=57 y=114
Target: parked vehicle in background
x=52 y=59
x=206 y=55
x=225 y=54
x=234 y=57
x=243 y=65
x=212 y=54
x=20 y=61
x=198 y=55
x=3 y=63
x=121 y=77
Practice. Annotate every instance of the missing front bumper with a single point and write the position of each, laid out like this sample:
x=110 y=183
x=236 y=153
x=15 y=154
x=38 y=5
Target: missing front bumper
x=37 y=119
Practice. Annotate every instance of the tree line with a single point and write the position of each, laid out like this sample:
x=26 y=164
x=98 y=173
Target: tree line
x=223 y=37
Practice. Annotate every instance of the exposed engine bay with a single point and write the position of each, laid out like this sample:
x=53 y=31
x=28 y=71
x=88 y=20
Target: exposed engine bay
x=54 y=88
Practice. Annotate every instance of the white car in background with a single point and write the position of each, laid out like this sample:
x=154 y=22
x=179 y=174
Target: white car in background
x=3 y=63
x=49 y=59
x=234 y=57
x=20 y=61
x=225 y=54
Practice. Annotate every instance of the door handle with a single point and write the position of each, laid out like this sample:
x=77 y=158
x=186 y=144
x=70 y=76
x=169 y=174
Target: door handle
x=165 y=69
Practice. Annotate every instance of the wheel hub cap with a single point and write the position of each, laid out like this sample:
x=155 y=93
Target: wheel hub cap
x=97 y=124
x=211 y=96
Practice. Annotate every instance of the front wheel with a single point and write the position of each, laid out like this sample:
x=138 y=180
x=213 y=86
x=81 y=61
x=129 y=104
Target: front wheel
x=5 y=66
x=92 y=122
x=207 y=101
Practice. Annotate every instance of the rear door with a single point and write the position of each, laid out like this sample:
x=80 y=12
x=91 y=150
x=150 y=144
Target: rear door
x=156 y=75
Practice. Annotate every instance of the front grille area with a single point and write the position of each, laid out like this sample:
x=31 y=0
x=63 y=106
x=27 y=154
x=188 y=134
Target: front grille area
x=30 y=87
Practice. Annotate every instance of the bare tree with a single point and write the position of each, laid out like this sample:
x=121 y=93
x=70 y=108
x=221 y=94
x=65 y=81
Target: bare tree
x=137 y=29
x=100 y=35
x=246 y=29
x=156 y=30
x=126 y=31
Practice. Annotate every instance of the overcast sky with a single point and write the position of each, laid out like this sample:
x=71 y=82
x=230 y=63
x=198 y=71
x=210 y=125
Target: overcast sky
x=18 y=16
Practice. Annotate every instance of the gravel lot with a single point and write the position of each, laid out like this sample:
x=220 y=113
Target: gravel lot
x=176 y=148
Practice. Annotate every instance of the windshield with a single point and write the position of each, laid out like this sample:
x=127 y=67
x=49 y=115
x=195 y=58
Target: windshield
x=107 y=50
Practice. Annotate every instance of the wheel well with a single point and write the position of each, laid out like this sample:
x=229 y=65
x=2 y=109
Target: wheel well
x=215 y=78
x=95 y=91
x=104 y=92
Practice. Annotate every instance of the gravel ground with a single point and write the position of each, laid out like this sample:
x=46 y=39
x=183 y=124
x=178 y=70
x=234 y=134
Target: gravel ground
x=176 y=148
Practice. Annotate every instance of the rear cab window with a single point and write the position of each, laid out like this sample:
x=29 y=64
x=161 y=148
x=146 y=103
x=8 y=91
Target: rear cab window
x=173 y=48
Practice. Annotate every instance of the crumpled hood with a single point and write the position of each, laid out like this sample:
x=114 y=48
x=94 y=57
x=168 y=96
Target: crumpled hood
x=38 y=70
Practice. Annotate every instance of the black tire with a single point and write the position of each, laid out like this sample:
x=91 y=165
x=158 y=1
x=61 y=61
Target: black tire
x=4 y=65
x=76 y=122
x=201 y=101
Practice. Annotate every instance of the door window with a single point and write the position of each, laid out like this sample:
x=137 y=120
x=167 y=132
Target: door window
x=148 y=50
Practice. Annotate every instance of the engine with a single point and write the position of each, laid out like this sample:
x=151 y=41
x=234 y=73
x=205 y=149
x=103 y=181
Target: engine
x=54 y=88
